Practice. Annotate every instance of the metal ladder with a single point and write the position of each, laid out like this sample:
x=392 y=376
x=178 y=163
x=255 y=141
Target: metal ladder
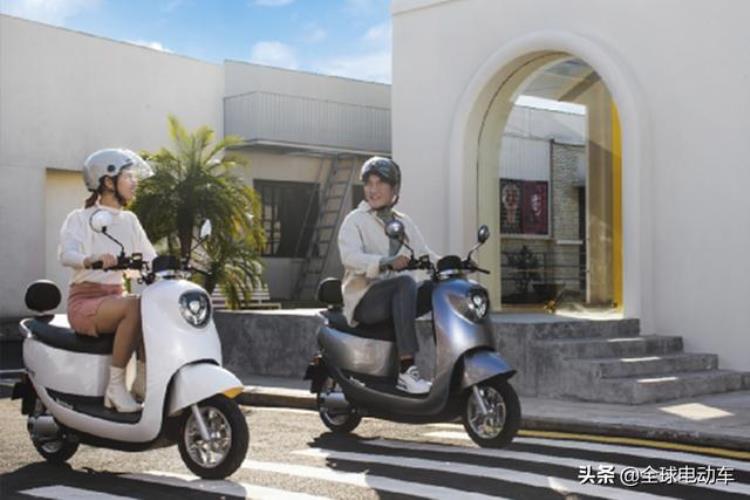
x=337 y=185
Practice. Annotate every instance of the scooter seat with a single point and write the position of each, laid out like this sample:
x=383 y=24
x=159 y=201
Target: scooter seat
x=68 y=339
x=378 y=331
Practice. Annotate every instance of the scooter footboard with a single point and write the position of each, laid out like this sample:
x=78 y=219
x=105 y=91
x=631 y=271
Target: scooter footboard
x=482 y=365
x=196 y=382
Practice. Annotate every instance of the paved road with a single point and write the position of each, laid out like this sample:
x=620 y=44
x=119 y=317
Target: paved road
x=291 y=456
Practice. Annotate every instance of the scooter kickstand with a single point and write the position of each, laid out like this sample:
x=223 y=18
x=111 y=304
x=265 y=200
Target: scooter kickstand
x=202 y=429
x=479 y=400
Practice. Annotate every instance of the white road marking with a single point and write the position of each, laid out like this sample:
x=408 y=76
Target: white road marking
x=365 y=481
x=575 y=463
x=225 y=487
x=642 y=452
x=71 y=493
x=508 y=475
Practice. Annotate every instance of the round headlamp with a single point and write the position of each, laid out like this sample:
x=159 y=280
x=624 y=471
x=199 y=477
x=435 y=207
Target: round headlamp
x=478 y=303
x=195 y=307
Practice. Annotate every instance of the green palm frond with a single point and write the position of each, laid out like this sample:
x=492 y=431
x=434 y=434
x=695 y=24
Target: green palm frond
x=191 y=183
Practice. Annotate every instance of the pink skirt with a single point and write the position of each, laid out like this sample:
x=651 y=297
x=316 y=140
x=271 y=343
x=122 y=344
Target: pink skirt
x=83 y=302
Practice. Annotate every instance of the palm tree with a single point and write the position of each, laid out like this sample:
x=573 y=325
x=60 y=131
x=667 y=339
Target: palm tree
x=194 y=183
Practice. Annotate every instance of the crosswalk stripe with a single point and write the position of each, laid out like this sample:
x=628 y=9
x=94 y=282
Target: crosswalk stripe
x=70 y=493
x=512 y=476
x=225 y=487
x=672 y=456
x=366 y=480
x=574 y=463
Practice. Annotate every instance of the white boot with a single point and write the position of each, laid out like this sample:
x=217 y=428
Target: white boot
x=139 y=384
x=117 y=394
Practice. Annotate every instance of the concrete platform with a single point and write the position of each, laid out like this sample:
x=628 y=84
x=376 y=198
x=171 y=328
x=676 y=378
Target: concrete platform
x=721 y=421
x=588 y=357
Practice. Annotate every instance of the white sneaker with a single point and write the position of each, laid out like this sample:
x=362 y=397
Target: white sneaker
x=411 y=382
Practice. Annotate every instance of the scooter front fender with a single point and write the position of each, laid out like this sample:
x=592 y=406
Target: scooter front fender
x=483 y=364
x=196 y=382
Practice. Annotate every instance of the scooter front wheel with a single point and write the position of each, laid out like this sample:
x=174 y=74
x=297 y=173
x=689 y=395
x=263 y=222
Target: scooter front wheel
x=496 y=427
x=340 y=421
x=225 y=449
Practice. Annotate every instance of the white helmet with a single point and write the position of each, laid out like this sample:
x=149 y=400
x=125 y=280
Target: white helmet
x=110 y=162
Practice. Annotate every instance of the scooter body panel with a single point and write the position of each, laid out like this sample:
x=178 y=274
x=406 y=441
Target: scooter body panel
x=66 y=371
x=196 y=382
x=481 y=365
x=455 y=335
x=356 y=354
x=171 y=343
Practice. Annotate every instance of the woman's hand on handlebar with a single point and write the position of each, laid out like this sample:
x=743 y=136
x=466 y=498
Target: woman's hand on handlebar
x=102 y=261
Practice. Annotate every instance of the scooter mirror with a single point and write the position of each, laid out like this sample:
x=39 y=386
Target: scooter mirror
x=483 y=234
x=395 y=229
x=206 y=229
x=100 y=220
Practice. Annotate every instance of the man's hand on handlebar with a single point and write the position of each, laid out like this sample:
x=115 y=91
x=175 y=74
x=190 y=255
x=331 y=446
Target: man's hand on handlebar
x=400 y=263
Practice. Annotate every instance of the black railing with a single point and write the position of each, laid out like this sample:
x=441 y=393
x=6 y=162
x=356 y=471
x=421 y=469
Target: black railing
x=536 y=277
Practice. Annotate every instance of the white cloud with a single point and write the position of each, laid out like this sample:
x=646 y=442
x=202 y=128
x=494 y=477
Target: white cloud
x=274 y=54
x=315 y=34
x=273 y=3
x=379 y=34
x=48 y=11
x=360 y=6
x=171 y=6
x=151 y=45
x=374 y=66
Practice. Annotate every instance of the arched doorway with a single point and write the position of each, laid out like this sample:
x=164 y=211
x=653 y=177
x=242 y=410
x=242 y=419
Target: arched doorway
x=549 y=179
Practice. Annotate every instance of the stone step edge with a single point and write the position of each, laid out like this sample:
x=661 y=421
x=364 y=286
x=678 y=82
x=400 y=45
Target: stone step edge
x=610 y=340
x=675 y=377
x=591 y=363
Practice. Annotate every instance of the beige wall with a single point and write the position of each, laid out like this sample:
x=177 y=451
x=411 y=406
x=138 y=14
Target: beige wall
x=242 y=78
x=680 y=84
x=63 y=192
x=63 y=95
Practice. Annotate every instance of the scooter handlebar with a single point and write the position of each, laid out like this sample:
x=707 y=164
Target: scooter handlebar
x=123 y=263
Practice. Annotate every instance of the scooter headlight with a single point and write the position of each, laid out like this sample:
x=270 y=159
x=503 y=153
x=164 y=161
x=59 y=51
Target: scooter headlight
x=195 y=307
x=478 y=304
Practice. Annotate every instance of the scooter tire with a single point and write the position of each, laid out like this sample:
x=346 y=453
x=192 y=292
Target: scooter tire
x=240 y=437
x=511 y=422
x=340 y=424
x=57 y=452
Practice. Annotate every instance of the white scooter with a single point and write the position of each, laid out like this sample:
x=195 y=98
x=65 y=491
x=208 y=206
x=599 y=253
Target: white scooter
x=189 y=396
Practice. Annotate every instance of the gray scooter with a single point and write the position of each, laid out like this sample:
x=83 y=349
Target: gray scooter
x=354 y=374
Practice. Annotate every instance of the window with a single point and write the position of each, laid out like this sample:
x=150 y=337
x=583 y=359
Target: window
x=289 y=213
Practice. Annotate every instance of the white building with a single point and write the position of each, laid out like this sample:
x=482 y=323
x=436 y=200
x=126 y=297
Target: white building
x=65 y=94
x=665 y=226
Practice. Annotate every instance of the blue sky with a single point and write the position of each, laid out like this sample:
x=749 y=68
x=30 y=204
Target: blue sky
x=349 y=38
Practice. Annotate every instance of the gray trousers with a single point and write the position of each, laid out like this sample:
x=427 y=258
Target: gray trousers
x=400 y=299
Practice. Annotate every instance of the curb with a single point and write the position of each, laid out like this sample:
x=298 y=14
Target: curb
x=296 y=398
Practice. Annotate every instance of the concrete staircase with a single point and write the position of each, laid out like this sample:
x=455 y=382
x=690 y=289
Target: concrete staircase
x=617 y=365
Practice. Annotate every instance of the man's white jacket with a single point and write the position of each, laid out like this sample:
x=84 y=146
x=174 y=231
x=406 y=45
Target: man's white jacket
x=362 y=245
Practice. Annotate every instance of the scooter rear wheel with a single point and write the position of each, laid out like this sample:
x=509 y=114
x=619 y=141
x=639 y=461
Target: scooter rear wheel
x=57 y=451
x=342 y=422
x=499 y=426
x=227 y=448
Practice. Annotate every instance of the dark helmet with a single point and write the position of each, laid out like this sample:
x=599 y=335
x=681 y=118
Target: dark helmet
x=385 y=168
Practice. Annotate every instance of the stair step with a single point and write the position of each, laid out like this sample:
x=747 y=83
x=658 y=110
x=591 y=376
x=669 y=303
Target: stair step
x=578 y=329
x=649 y=365
x=617 y=347
x=652 y=389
